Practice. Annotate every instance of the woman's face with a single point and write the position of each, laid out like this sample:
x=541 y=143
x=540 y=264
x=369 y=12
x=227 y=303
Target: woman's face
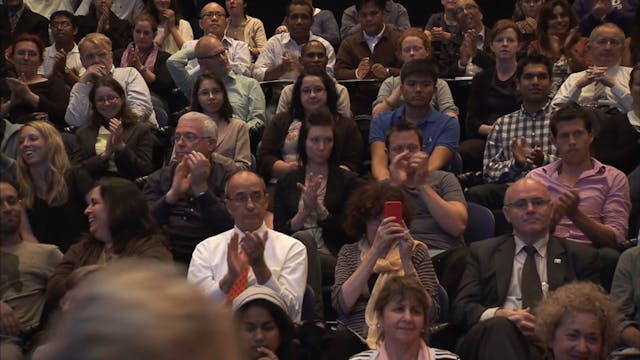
x=505 y=45
x=26 y=57
x=210 y=96
x=578 y=336
x=402 y=321
x=32 y=146
x=96 y=212
x=313 y=94
x=412 y=48
x=531 y=8
x=143 y=35
x=559 y=22
x=319 y=144
x=162 y=4
x=259 y=330
x=107 y=102
x=235 y=7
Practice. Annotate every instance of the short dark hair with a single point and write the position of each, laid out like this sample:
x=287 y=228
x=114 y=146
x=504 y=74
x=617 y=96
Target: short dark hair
x=318 y=117
x=633 y=72
x=404 y=125
x=569 y=112
x=380 y=4
x=310 y=43
x=282 y=320
x=424 y=67
x=301 y=3
x=64 y=13
x=367 y=202
x=535 y=59
x=297 y=110
x=226 y=111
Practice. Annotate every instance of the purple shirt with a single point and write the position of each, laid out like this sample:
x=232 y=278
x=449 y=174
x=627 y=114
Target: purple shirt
x=604 y=197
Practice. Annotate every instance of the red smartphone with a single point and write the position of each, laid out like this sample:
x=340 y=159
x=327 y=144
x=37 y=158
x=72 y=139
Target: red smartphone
x=393 y=208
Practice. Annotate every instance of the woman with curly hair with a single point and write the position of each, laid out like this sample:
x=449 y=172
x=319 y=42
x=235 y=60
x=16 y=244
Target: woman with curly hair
x=577 y=320
x=52 y=191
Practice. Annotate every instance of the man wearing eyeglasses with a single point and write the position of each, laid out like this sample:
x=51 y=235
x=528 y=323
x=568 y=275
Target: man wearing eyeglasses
x=507 y=275
x=606 y=83
x=62 y=59
x=213 y=21
x=186 y=196
x=591 y=200
x=250 y=253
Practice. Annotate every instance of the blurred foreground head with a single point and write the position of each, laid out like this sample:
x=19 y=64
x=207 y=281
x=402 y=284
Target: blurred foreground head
x=141 y=310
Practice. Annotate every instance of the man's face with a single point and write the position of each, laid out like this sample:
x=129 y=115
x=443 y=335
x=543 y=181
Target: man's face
x=314 y=56
x=212 y=56
x=401 y=141
x=189 y=136
x=418 y=90
x=371 y=19
x=92 y=54
x=534 y=84
x=62 y=29
x=606 y=46
x=528 y=208
x=10 y=208
x=469 y=15
x=247 y=201
x=573 y=141
x=213 y=19
x=299 y=21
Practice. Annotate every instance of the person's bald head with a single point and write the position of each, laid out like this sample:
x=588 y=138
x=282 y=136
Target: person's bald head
x=213 y=19
x=606 y=44
x=527 y=206
x=212 y=56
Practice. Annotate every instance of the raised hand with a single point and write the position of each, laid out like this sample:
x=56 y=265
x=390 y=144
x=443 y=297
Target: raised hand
x=116 y=139
x=535 y=155
x=398 y=168
x=520 y=150
x=180 y=184
x=419 y=166
x=236 y=258
x=253 y=246
x=60 y=63
x=311 y=191
x=169 y=18
x=93 y=73
x=363 y=68
x=379 y=71
x=387 y=233
x=199 y=168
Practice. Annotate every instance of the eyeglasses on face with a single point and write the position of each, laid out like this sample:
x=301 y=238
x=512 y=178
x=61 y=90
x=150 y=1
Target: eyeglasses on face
x=523 y=204
x=187 y=137
x=243 y=198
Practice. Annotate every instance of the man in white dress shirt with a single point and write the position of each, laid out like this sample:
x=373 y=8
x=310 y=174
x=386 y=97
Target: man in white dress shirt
x=272 y=259
x=604 y=84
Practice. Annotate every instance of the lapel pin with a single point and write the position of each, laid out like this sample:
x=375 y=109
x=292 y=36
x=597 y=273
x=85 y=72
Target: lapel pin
x=557 y=261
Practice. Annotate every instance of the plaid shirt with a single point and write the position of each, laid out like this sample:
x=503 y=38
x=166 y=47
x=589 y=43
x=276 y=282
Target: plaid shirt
x=499 y=165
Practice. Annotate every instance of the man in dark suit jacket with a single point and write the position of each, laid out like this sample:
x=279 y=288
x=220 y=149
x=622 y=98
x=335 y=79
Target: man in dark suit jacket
x=491 y=294
x=28 y=22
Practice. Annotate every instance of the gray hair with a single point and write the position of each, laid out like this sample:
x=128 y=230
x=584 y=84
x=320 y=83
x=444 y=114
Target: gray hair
x=594 y=32
x=209 y=127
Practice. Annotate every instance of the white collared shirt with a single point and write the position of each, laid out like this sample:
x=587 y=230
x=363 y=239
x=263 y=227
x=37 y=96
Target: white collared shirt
x=73 y=60
x=372 y=41
x=238 y=54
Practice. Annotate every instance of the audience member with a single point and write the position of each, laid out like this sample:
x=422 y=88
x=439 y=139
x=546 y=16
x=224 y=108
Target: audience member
x=443 y=27
x=52 y=191
x=591 y=200
x=577 y=320
x=279 y=57
x=232 y=139
x=559 y=39
x=266 y=329
x=113 y=143
x=592 y=13
x=172 y=318
x=526 y=17
x=385 y=249
x=62 y=58
x=310 y=201
x=625 y=294
x=470 y=54
x=606 y=83
x=413 y=44
x=16 y=18
x=324 y=25
x=97 y=59
x=492 y=93
x=250 y=253
x=395 y=16
x=213 y=21
x=144 y=55
x=31 y=95
x=440 y=132
x=124 y=9
x=47 y=8
x=26 y=267
x=186 y=196
x=441 y=213
x=100 y=19
x=520 y=141
x=245 y=28
x=173 y=30
x=245 y=95
x=401 y=315
x=631 y=56
x=120 y=226
x=506 y=276
x=313 y=54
